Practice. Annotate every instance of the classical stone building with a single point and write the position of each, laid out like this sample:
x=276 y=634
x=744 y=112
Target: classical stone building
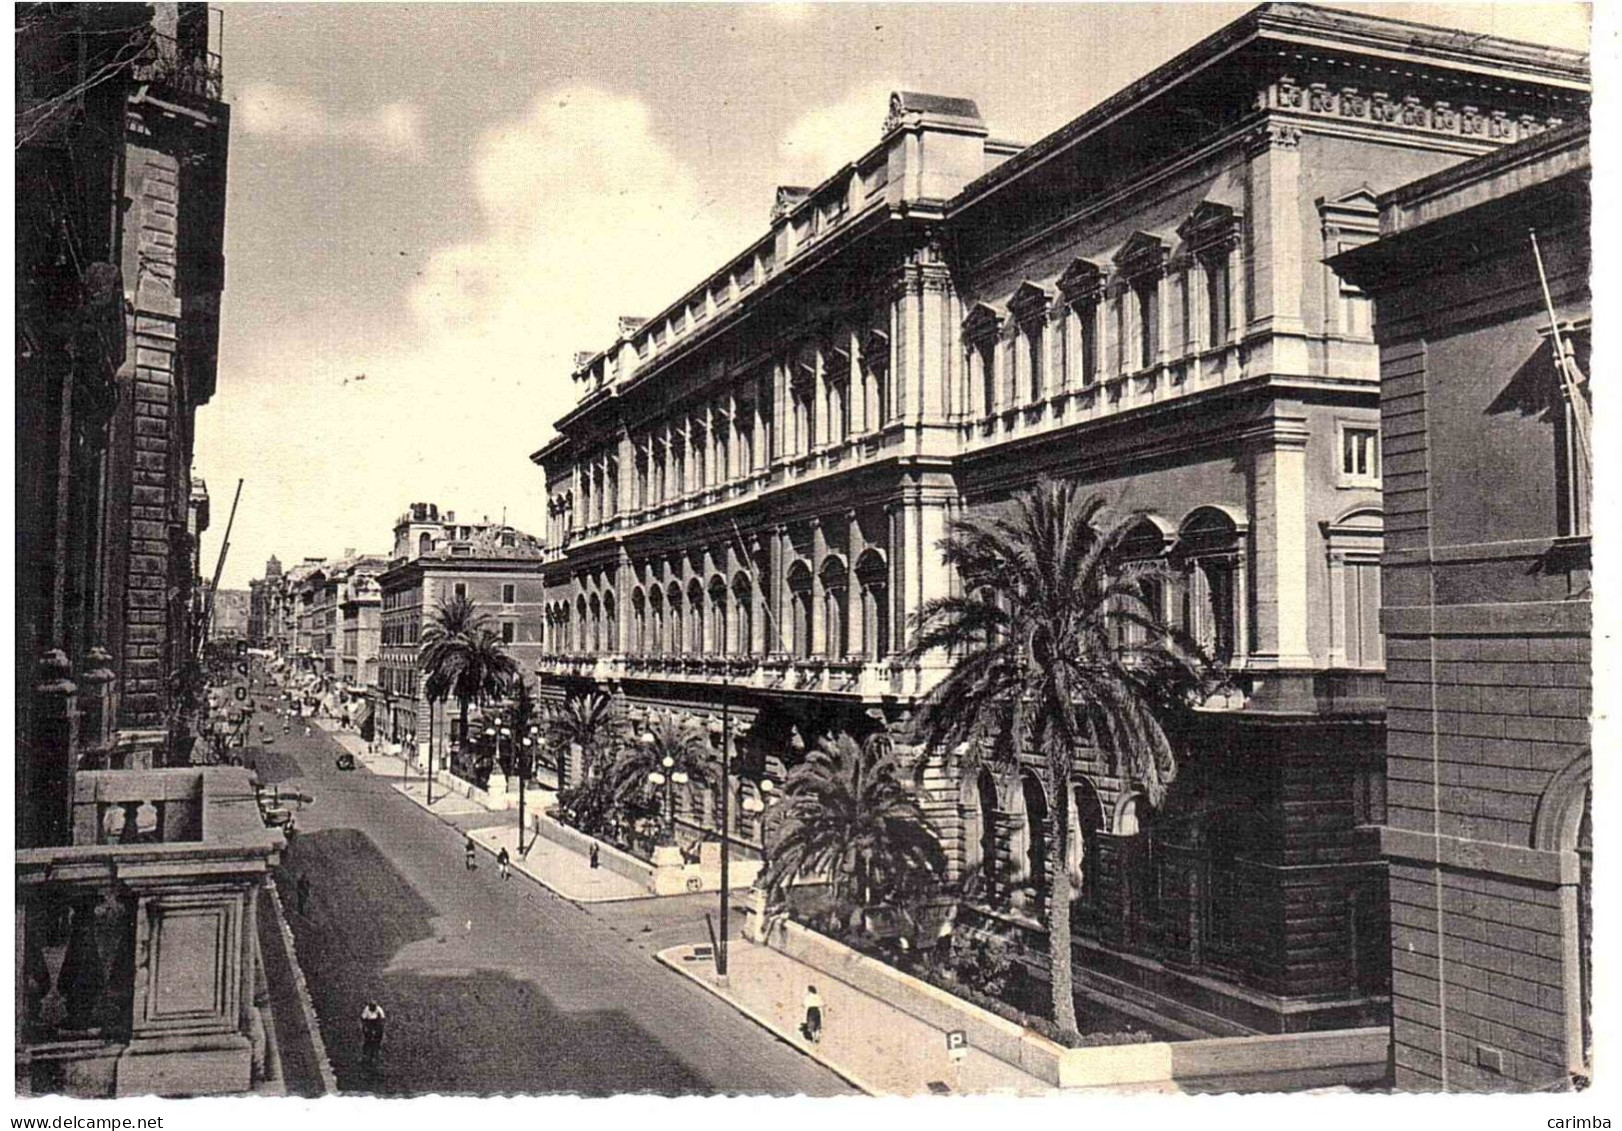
x=747 y=499
x=436 y=558
x=1487 y=596
x=139 y=967
x=121 y=191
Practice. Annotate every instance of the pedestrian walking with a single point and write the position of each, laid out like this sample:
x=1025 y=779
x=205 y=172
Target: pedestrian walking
x=594 y=854
x=504 y=862
x=372 y=1020
x=306 y=732
x=303 y=887
x=471 y=850
x=812 y=1027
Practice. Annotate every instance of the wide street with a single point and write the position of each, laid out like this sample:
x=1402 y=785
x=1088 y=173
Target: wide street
x=494 y=987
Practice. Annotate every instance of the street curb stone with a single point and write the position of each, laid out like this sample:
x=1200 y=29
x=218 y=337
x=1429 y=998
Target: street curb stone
x=329 y=1078
x=669 y=958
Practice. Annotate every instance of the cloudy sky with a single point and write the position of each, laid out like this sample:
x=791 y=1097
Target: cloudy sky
x=451 y=200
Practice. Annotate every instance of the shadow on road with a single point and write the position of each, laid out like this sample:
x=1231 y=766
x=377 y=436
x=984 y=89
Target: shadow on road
x=464 y=1025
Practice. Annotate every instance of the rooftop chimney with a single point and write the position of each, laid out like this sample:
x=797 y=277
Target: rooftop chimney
x=349 y=551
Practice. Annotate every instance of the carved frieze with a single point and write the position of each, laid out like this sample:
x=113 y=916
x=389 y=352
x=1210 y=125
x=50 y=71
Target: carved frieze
x=1409 y=111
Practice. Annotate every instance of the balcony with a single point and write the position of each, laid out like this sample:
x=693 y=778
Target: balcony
x=138 y=954
x=776 y=672
x=165 y=62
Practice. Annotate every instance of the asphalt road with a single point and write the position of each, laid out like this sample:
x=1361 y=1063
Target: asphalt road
x=494 y=988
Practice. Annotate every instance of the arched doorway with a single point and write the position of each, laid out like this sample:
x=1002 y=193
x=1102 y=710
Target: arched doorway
x=1086 y=822
x=1033 y=867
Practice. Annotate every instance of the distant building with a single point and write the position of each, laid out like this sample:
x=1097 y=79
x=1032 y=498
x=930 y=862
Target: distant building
x=1487 y=615
x=437 y=558
x=231 y=612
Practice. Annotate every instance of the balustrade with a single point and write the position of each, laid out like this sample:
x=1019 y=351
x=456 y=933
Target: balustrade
x=137 y=945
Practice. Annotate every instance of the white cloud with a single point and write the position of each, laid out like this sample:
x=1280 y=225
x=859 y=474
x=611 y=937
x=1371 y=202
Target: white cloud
x=295 y=118
x=584 y=215
x=823 y=139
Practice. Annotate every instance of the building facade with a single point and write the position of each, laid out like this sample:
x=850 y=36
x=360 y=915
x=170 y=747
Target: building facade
x=121 y=185
x=493 y=565
x=124 y=852
x=745 y=504
x=1487 y=614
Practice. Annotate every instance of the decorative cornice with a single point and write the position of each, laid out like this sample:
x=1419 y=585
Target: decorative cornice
x=1408 y=111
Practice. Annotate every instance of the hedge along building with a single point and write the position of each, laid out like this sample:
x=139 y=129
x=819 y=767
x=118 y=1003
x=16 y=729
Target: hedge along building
x=747 y=500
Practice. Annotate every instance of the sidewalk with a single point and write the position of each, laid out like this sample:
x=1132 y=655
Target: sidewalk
x=553 y=866
x=876 y=1047
x=547 y=863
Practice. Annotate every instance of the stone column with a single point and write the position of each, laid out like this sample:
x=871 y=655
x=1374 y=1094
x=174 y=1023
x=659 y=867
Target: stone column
x=856 y=632
x=45 y=792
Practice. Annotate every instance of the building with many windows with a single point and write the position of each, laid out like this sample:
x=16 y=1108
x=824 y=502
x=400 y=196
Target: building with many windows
x=436 y=559
x=746 y=501
x=1487 y=614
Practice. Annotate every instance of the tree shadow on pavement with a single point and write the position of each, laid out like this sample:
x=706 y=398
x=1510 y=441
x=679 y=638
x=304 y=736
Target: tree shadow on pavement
x=481 y=1031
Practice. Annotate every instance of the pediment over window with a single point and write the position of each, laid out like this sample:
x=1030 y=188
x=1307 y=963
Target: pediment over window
x=876 y=350
x=1029 y=302
x=1142 y=254
x=1081 y=281
x=982 y=323
x=1210 y=223
x=1356 y=212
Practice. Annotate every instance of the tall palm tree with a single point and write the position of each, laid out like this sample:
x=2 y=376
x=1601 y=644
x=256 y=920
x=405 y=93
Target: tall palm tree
x=1036 y=665
x=460 y=648
x=847 y=816
x=689 y=751
x=590 y=722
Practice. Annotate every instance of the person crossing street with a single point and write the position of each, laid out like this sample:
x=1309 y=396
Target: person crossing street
x=372 y=1019
x=504 y=862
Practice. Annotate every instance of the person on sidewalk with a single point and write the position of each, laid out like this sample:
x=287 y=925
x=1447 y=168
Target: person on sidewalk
x=594 y=854
x=303 y=887
x=471 y=850
x=504 y=862
x=372 y=1019
x=812 y=1028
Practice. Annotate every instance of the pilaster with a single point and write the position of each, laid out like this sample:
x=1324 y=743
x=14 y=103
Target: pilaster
x=1276 y=455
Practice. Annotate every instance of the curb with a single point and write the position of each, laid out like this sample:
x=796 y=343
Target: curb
x=559 y=892
x=668 y=959
x=329 y=1078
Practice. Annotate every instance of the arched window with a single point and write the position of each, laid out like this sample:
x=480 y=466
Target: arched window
x=610 y=624
x=1210 y=549
x=425 y=543
x=695 y=618
x=719 y=644
x=799 y=588
x=678 y=642
x=639 y=621
x=873 y=575
x=1146 y=543
x=743 y=599
x=596 y=625
x=835 y=598
x=656 y=603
